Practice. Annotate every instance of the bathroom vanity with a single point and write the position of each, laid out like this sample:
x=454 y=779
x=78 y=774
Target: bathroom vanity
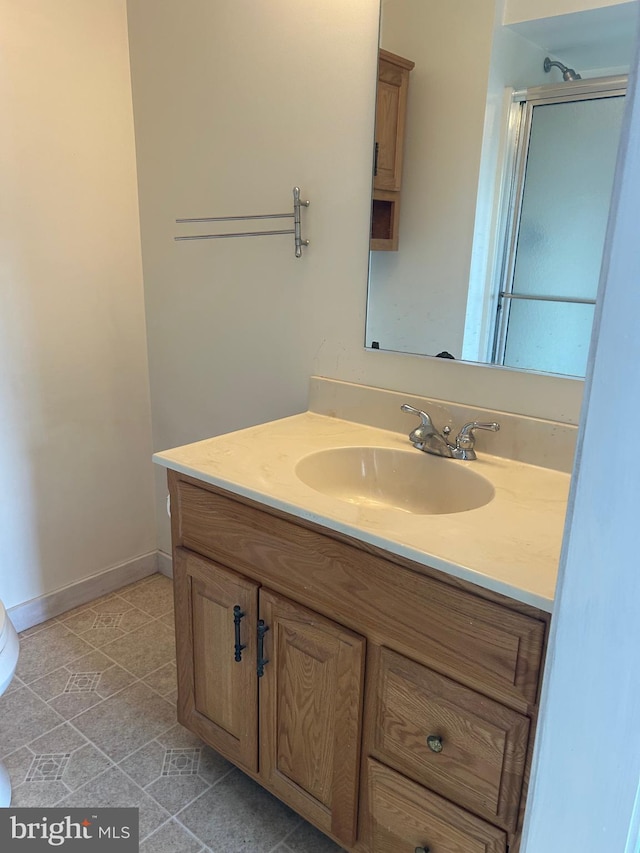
x=387 y=694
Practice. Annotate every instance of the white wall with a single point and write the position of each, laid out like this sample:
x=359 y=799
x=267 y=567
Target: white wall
x=74 y=429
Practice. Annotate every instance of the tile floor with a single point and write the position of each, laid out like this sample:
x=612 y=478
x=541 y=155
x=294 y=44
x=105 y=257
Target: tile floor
x=89 y=720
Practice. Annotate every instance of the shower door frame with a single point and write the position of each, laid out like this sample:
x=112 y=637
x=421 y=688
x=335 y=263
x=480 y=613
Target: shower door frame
x=520 y=122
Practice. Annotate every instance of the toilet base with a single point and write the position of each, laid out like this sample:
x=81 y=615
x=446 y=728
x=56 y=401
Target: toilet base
x=5 y=787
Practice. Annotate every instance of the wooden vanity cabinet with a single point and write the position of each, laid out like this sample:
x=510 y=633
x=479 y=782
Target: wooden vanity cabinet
x=397 y=706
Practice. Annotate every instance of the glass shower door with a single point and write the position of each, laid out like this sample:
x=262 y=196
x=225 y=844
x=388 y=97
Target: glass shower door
x=546 y=307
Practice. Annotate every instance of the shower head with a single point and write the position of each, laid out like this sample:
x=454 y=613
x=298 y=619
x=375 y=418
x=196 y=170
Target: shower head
x=567 y=73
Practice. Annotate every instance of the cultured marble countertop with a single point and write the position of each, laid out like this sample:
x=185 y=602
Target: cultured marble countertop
x=511 y=545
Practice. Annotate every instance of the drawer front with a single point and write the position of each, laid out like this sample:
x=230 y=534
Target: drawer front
x=475 y=641
x=466 y=747
x=406 y=817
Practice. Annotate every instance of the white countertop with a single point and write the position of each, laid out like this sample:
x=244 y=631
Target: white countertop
x=511 y=545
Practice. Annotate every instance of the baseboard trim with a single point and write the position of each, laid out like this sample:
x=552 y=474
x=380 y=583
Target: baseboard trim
x=38 y=610
x=165 y=564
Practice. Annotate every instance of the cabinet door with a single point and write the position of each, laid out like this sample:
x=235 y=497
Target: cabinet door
x=406 y=817
x=391 y=106
x=310 y=714
x=217 y=694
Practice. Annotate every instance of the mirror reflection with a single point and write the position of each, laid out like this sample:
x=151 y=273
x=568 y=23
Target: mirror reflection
x=493 y=176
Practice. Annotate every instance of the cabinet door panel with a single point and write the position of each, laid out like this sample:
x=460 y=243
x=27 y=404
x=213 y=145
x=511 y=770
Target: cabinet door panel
x=310 y=713
x=217 y=695
x=387 y=105
x=407 y=817
x=391 y=106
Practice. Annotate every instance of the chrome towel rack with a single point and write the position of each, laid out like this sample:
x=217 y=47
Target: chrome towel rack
x=296 y=230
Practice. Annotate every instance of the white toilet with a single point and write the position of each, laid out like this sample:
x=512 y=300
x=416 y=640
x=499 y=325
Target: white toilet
x=8 y=660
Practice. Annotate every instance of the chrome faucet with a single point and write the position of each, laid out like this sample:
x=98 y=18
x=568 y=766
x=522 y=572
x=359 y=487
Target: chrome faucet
x=426 y=437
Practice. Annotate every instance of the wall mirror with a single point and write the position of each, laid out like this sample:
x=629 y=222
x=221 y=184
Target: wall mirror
x=486 y=247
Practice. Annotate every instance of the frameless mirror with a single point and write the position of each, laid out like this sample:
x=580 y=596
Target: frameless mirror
x=486 y=246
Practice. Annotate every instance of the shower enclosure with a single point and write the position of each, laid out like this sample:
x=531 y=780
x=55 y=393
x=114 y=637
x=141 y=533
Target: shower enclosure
x=565 y=148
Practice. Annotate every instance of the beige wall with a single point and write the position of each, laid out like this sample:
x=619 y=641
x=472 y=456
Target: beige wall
x=74 y=429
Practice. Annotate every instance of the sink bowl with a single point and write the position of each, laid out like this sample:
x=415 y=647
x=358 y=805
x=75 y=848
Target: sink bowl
x=406 y=480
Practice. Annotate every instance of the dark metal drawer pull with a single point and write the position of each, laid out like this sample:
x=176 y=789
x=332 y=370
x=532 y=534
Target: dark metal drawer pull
x=237 y=617
x=262 y=630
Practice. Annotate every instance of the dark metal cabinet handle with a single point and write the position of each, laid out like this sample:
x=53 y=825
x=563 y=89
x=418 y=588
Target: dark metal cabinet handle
x=262 y=630
x=375 y=159
x=237 y=617
x=434 y=742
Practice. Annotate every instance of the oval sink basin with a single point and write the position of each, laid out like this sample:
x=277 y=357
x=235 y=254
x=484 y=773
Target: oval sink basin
x=406 y=480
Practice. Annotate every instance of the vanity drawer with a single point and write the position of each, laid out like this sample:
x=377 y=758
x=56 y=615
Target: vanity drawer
x=466 y=747
x=405 y=817
x=477 y=642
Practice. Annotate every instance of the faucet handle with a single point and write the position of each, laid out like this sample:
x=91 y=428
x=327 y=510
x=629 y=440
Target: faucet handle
x=466 y=439
x=493 y=427
x=424 y=417
x=466 y=433
x=425 y=429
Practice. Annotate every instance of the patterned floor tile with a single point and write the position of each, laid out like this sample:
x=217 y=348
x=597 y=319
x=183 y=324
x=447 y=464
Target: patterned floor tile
x=145 y=650
x=154 y=597
x=53 y=766
x=307 y=839
x=107 y=627
x=171 y=838
x=82 y=684
x=163 y=680
x=14 y=684
x=85 y=764
x=35 y=629
x=211 y=766
x=47 y=650
x=23 y=716
x=169 y=619
x=114 y=789
x=109 y=603
x=169 y=775
x=176 y=792
x=126 y=721
x=79 y=760
x=238 y=815
x=145 y=764
x=38 y=794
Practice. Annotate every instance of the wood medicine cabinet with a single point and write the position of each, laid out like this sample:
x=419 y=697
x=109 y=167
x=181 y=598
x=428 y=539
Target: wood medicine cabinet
x=391 y=109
